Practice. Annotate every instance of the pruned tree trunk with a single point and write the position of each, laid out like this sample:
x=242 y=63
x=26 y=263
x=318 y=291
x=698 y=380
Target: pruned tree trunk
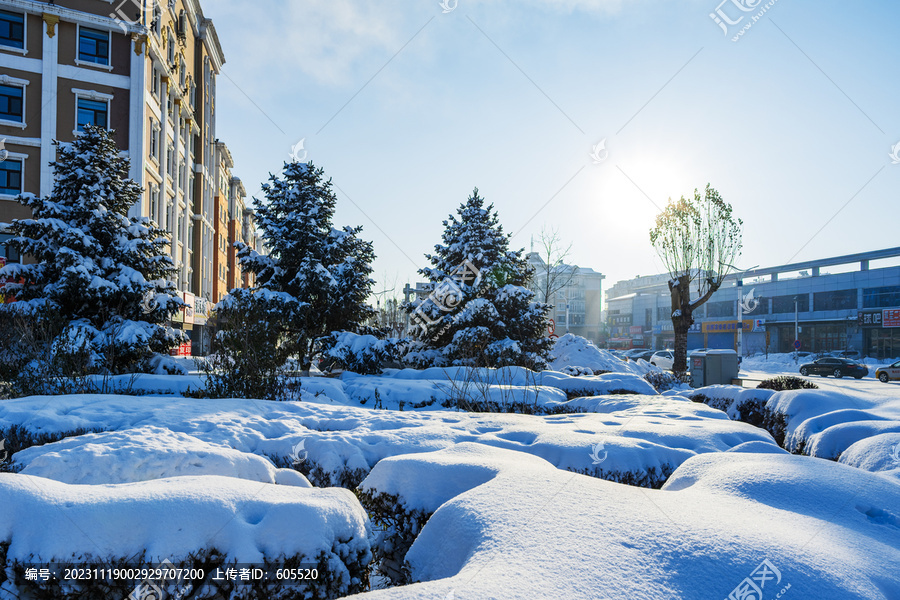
x=682 y=319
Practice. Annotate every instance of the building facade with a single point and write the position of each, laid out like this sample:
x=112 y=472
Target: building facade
x=577 y=303
x=857 y=309
x=146 y=69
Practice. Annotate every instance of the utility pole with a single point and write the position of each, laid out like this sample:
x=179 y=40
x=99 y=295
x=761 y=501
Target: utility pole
x=740 y=318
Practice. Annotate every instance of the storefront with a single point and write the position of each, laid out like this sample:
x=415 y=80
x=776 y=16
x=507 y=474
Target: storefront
x=184 y=319
x=723 y=335
x=881 y=332
x=204 y=327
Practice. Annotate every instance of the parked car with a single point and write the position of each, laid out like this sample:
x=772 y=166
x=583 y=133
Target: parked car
x=639 y=354
x=618 y=354
x=851 y=354
x=838 y=367
x=888 y=373
x=664 y=359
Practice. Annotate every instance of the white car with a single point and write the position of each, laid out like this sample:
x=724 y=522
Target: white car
x=664 y=359
x=889 y=372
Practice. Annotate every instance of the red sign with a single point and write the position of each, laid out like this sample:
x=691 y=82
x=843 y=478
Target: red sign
x=890 y=317
x=636 y=330
x=181 y=350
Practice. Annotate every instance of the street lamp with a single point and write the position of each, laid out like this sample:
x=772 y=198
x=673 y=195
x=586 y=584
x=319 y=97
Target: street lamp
x=740 y=310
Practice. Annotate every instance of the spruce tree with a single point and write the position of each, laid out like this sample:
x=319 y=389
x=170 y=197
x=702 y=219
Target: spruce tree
x=480 y=312
x=326 y=271
x=103 y=274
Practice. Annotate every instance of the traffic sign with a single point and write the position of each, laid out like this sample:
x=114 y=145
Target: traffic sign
x=551 y=327
x=796 y=344
x=553 y=336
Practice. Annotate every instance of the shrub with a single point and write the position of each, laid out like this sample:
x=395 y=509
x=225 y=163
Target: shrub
x=396 y=530
x=652 y=477
x=363 y=354
x=252 y=347
x=16 y=438
x=664 y=380
x=786 y=382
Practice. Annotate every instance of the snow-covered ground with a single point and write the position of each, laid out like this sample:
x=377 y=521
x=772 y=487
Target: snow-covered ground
x=524 y=506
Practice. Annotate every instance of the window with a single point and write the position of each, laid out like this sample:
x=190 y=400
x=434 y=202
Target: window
x=154 y=140
x=93 y=46
x=838 y=300
x=11 y=103
x=11 y=255
x=11 y=177
x=171 y=44
x=720 y=309
x=785 y=304
x=154 y=203
x=882 y=297
x=155 y=83
x=170 y=161
x=92 y=112
x=12 y=29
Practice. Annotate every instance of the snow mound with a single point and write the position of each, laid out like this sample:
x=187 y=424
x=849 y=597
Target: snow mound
x=825 y=423
x=640 y=439
x=46 y=520
x=575 y=351
x=878 y=454
x=521 y=531
x=145 y=453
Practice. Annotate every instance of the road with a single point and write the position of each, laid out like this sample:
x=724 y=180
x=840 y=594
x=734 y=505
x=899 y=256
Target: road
x=868 y=387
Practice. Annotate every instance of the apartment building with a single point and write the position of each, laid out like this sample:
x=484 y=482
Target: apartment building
x=576 y=299
x=146 y=69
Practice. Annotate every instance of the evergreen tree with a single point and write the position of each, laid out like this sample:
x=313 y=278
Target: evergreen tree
x=326 y=270
x=480 y=312
x=103 y=274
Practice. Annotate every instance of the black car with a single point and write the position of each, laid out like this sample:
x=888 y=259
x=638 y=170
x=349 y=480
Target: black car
x=639 y=354
x=838 y=367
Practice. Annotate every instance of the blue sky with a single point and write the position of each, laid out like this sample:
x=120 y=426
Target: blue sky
x=408 y=108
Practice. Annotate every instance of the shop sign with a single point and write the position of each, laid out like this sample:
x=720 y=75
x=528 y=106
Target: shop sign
x=891 y=317
x=869 y=318
x=725 y=326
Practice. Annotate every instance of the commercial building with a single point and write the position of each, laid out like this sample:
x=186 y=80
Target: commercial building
x=855 y=309
x=578 y=300
x=147 y=70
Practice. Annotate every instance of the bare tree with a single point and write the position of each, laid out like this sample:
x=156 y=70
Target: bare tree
x=553 y=274
x=698 y=240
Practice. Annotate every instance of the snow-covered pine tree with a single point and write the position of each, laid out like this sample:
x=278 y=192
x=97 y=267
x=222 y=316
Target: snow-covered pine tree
x=102 y=273
x=325 y=269
x=492 y=320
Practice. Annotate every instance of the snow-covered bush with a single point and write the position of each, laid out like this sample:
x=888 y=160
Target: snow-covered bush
x=577 y=371
x=201 y=523
x=396 y=528
x=480 y=312
x=97 y=297
x=665 y=380
x=363 y=354
x=252 y=346
x=786 y=382
x=746 y=405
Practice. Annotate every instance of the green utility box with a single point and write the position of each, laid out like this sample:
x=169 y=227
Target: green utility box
x=713 y=367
